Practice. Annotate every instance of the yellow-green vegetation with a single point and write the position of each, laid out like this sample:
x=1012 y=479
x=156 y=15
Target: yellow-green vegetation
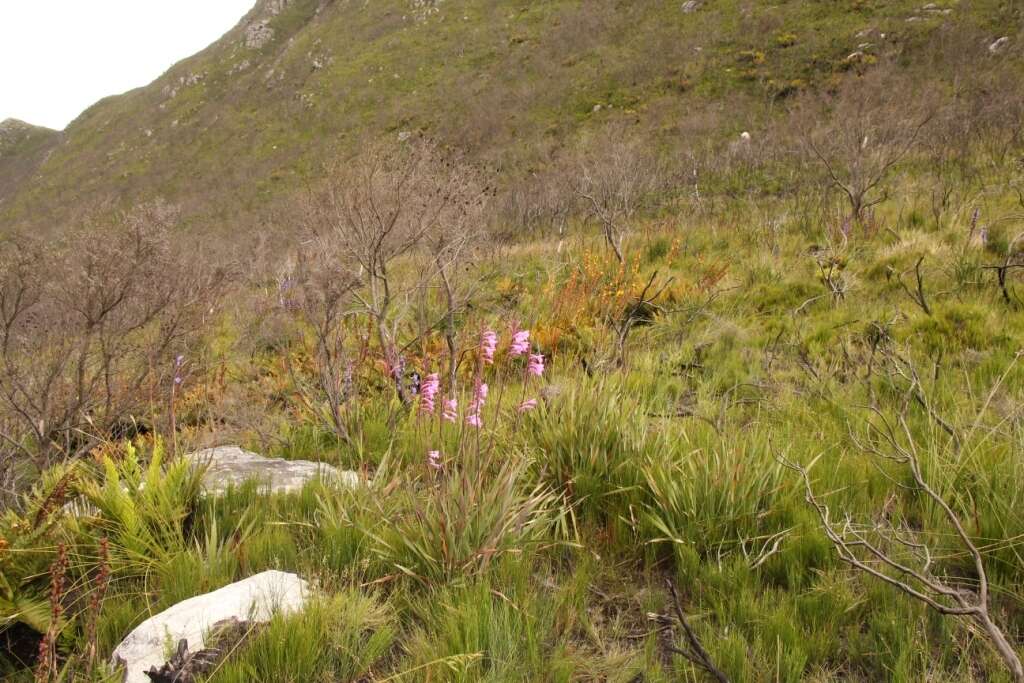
x=655 y=363
x=540 y=549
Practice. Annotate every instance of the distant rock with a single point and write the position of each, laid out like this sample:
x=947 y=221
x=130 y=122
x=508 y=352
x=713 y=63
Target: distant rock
x=999 y=45
x=275 y=7
x=258 y=34
x=231 y=466
x=251 y=601
x=691 y=6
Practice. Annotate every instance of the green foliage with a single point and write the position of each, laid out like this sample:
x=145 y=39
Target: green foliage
x=591 y=445
x=500 y=628
x=715 y=497
x=28 y=546
x=465 y=519
x=142 y=508
x=342 y=638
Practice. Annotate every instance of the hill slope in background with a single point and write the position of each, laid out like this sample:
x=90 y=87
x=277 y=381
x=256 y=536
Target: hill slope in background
x=23 y=148
x=250 y=119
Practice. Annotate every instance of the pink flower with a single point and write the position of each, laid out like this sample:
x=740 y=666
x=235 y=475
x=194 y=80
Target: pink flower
x=527 y=405
x=451 y=410
x=434 y=459
x=520 y=343
x=428 y=390
x=476 y=406
x=488 y=344
x=536 y=365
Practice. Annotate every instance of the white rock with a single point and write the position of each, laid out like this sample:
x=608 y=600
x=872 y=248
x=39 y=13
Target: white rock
x=691 y=6
x=999 y=45
x=745 y=136
x=258 y=34
x=232 y=466
x=253 y=600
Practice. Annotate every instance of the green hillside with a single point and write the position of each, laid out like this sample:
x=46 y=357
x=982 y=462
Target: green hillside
x=23 y=148
x=230 y=130
x=565 y=341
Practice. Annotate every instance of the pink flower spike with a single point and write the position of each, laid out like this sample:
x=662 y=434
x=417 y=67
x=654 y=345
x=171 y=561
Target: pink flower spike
x=488 y=344
x=451 y=410
x=479 y=398
x=428 y=390
x=434 y=459
x=520 y=343
x=526 y=406
x=536 y=365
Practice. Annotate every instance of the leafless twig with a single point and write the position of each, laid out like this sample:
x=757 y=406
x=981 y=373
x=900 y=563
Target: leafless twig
x=694 y=650
x=919 y=582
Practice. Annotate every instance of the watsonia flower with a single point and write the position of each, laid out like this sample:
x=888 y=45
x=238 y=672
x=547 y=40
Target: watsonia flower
x=434 y=460
x=535 y=366
x=474 y=419
x=527 y=405
x=450 y=412
x=520 y=343
x=428 y=390
x=488 y=344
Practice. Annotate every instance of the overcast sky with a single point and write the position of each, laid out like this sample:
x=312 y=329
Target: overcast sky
x=57 y=57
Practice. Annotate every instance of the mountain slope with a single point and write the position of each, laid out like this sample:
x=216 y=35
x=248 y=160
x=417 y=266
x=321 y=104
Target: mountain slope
x=23 y=149
x=248 y=120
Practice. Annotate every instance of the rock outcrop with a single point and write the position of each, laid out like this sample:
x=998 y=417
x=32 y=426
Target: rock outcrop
x=251 y=601
x=231 y=466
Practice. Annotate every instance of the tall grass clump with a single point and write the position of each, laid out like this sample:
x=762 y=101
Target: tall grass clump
x=714 y=496
x=591 y=444
x=467 y=517
x=341 y=638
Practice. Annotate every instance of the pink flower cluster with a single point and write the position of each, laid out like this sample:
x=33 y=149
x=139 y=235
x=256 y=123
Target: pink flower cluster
x=428 y=391
x=527 y=405
x=475 y=419
x=520 y=343
x=450 y=413
x=434 y=460
x=488 y=345
x=431 y=386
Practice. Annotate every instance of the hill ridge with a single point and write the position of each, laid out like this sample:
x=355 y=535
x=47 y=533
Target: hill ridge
x=232 y=129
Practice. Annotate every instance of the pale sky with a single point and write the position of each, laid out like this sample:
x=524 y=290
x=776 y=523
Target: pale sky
x=57 y=57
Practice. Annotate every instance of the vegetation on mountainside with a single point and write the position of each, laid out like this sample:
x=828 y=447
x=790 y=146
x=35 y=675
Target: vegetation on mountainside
x=538 y=545
x=234 y=129
x=22 y=149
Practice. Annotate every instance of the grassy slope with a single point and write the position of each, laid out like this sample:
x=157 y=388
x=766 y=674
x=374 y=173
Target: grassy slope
x=23 y=148
x=668 y=469
x=510 y=82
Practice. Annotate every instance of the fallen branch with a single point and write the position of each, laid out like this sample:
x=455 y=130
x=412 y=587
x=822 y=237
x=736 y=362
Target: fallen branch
x=694 y=651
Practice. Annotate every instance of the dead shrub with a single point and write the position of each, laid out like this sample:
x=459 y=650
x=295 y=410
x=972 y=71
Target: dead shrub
x=90 y=328
x=859 y=136
x=395 y=218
